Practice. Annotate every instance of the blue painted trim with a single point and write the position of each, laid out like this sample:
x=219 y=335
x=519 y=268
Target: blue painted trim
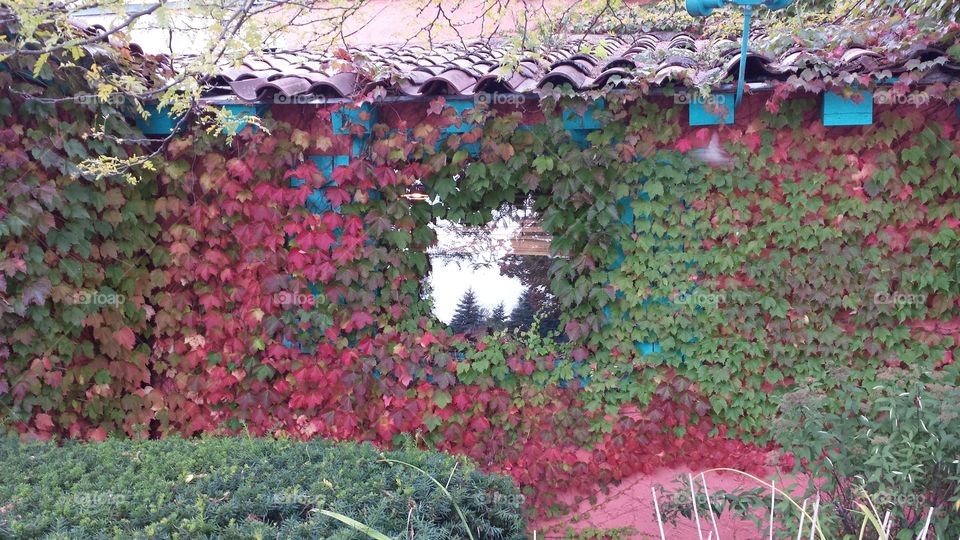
x=628 y=218
x=346 y=116
x=839 y=111
x=473 y=148
x=646 y=348
x=700 y=116
x=357 y=146
x=461 y=107
x=326 y=164
x=160 y=121
x=343 y=117
x=240 y=111
x=317 y=201
x=573 y=120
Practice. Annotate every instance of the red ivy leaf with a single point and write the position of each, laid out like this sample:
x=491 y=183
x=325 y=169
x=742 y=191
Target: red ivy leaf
x=428 y=339
x=125 y=337
x=461 y=401
x=332 y=220
x=436 y=106
x=342 y=255
x=44 y=422
x=337 y=196
x=240 y=170
x=580 y=354
x=359 y=319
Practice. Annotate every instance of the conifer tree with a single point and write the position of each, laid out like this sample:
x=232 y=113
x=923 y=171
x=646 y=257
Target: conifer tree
x=523 y=313
x=498 y=318
x=469 y=315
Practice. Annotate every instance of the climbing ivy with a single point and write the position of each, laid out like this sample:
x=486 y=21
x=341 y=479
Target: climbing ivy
x=808 y=256
x=77 y=274
x=701 y=272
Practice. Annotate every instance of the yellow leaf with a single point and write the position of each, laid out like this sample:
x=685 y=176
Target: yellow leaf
x=41 y=60
x=104 y=91
x=300 y=138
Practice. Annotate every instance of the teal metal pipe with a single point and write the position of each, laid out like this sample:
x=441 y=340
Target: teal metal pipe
x=747 y=10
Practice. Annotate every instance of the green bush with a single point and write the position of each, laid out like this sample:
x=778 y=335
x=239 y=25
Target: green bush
x=896 y=441
x=892 y=447
x=244 y=488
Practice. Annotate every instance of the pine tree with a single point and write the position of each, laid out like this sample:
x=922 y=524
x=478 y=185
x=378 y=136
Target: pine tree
x=534 y=273
x=523 y=313
x=498 y=319
x=469 y=315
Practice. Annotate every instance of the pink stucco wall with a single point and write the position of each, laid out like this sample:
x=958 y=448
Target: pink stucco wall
x=630 y=504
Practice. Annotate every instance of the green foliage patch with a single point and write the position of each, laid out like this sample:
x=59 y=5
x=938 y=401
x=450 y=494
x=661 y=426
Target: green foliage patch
x=250 y=488
x=79 y=265
x=891 y=453
x=806 y=249
x=898 y=443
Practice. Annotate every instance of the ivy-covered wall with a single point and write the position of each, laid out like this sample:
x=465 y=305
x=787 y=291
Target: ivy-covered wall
x=79 y=271
x=283 y=297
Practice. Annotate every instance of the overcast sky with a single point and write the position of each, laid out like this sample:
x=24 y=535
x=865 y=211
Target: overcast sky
x=450 y=280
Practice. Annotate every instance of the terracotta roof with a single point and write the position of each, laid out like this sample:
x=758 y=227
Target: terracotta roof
x=655 y=58
x=112 y=51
